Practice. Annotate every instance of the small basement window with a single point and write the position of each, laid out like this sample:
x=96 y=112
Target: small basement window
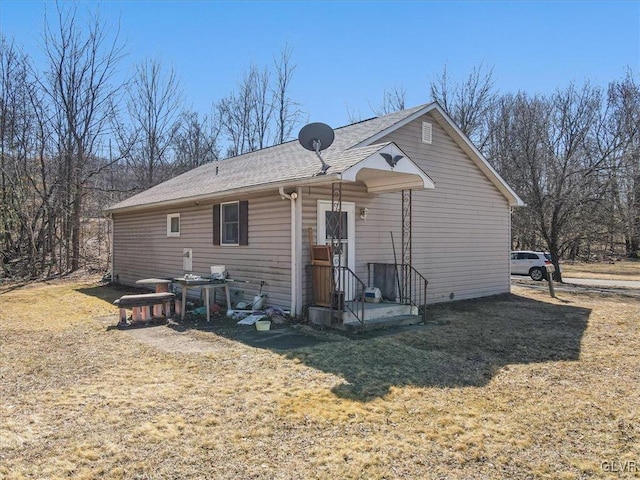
x=173 y=225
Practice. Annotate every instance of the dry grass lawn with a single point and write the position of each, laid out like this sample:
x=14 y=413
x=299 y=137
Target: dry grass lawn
x=517 y=386
x=619 y=270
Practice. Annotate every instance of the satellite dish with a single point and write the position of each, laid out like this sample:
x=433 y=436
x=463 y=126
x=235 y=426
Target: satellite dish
x=316 y=137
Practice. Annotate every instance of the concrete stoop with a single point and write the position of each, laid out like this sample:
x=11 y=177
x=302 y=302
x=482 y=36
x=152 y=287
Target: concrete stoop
x=376 y=316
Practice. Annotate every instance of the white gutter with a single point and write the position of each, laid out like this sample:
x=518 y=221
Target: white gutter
x=294 y=250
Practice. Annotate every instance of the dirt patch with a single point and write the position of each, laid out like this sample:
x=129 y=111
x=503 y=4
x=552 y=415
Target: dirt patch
x=170 y=340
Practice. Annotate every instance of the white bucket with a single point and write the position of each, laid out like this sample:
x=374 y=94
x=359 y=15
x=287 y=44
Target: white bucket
x=258 y=300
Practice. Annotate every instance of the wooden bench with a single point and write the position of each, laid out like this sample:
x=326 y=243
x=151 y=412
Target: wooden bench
x=140 y=304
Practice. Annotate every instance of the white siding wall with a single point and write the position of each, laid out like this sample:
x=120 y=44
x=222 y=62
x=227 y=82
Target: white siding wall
x=142 y=248
x=460 y=228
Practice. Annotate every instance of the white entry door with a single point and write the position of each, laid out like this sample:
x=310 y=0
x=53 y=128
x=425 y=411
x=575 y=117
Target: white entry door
x=347 y=243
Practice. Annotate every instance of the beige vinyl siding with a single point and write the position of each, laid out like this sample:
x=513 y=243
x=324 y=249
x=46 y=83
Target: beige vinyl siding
x=142 y=248
x=460 y=228
x=460 y=231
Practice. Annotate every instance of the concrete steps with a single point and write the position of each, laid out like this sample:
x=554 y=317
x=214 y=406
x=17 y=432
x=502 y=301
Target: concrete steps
x=376 y=316
x=382 y=323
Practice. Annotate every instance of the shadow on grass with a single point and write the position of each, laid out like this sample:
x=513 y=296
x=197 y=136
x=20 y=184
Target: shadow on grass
x=109 y=292
x=279 y=338
x=464 y=344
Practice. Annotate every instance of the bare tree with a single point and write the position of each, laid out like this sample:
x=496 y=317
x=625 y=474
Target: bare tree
x=245 y=116
x=261 y=109
x=18 y=215
x=619 y=144
x=154 y=101
x=195 y=141
x=260 y=112
x=354 y=115
x=545 y=148
x=392 y=101
x=287 y=112
x=80 y=88
x=469 y=103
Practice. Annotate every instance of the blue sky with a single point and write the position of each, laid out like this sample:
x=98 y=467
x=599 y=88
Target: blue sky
x=348 y=53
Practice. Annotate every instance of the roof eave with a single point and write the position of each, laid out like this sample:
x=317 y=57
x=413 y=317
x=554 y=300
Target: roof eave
x=317 y=180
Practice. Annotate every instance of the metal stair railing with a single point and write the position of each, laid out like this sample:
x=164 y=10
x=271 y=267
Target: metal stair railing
x=347 y=281
x=410 y=286
x=331 y=284
x=414 y=289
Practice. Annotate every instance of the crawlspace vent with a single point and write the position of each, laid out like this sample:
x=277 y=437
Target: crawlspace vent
x=427 y=132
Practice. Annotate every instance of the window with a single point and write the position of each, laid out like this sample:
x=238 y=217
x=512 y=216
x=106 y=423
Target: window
x=332 y=225
x=231 y=223
x=173 y=225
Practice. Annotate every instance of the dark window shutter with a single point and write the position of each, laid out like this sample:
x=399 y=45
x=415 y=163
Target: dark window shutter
x=243 y=218
x=216 y=224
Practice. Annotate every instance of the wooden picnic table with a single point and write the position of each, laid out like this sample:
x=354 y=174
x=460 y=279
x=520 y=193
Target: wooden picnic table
x=203 y=284
x=161 y=285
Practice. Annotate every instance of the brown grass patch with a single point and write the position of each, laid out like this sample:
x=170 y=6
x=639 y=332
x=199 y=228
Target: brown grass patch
x=517 y=386
x=619 y=270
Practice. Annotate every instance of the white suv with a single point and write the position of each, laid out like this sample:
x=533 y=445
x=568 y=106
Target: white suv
x=525 y=262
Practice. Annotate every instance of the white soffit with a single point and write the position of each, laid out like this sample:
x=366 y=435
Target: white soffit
x=388 y=169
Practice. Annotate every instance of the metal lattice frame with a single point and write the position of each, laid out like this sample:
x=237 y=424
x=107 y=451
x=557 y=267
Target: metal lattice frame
x=335 y=224
x=406 y=244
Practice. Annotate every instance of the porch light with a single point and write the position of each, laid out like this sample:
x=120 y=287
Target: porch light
x=364 y=212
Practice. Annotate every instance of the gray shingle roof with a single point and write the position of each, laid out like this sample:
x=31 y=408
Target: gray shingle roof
x=288 y=162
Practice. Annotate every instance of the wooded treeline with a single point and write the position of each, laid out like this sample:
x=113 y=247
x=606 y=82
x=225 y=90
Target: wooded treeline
x=75 y=138
x=573 y=156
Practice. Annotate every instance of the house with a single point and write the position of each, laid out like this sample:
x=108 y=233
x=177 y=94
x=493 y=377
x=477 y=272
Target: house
x=409 y=189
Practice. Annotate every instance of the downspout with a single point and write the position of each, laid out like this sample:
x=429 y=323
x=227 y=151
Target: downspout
x=294 y=257
x=299 y=265
x=110 y=258
x=510 y=246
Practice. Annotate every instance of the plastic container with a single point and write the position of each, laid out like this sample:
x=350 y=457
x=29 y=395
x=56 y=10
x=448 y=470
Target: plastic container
x=263 y=325
x=258 y=300
x=218 y=272
x=372 y=295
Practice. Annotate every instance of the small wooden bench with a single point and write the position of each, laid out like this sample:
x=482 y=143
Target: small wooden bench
x=140 y=304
